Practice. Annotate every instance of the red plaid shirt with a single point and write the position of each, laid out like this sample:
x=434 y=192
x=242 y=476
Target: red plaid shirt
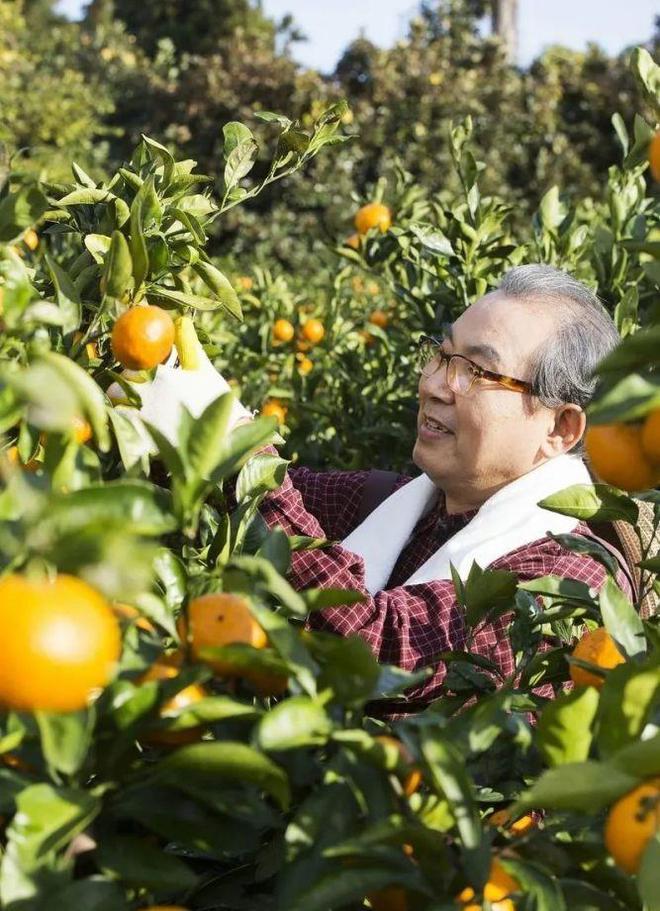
x=404 y=625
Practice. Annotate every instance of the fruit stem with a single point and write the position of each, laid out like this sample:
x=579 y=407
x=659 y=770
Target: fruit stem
x=187 y=343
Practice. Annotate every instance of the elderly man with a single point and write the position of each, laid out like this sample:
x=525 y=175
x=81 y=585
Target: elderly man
x=501 y=401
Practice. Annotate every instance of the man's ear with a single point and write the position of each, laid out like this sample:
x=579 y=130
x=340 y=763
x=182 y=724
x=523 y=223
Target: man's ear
x=568 y=429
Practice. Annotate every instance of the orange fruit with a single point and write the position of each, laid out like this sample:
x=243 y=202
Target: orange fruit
x=353 y=241
x=220 y=619
x=597 y=647
x=245 y=283
x=616 y=455
x=631 y=823
x=273 y=408
x=305 y=366
x=167 y=668
x=519 y=827
x=130 y=613
x=313 y=331
x=654 y=156
x=366 y=337
x=650 y=438
x=61 y=642
x=391 y=898
x=82 y=431
x=412 y=778
x=142 y=337
x=15 y=459
x=373 y=215
x=283 y=330
x=499 y=886
x=31 y=239
x=379 y=318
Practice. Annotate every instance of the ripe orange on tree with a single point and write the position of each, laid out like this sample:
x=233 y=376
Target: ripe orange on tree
x=313 y=330
x=650 y=438
x=15 y=459
x=654 y=156
x=617 y=456
x=519 y=827
x=413 y=776
x=597 y=647
x=82 y=431
x=31 y=239
x=142 y=337
x=283 y=330
x=221 y=619
x=167 y=668
x=497 y=890
x=276 y=409
x=61 y=642
x=373 y=215
x=305 y=365
x=353 y=241
x=631 y=823
x=379 y=318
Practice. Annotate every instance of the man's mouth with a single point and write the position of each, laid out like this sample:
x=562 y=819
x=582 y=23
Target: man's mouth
x=434 y=426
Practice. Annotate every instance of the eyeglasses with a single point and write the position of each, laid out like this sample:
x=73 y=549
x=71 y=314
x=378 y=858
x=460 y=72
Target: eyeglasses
x=461 y=371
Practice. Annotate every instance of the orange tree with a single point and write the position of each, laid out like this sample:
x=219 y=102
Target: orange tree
x=227 y=757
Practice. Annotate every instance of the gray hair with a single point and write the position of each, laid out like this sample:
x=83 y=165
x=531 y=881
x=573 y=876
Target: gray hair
x=563 y=369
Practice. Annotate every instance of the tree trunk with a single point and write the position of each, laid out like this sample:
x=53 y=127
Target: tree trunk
x=505 y=26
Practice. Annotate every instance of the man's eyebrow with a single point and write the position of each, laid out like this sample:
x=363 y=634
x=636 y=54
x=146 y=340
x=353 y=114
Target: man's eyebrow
x=483 y=351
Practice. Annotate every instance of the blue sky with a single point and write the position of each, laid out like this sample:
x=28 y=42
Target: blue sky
x=331 y=25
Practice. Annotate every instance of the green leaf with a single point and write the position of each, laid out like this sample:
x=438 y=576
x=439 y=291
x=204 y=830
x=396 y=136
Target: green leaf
x=220 y=286
x=641 y=758
x=349 y=669
x=593 y=502
x=239 y=162
x=68 y=299
x=141 y=865
x=261 y=473
x=92 y=894
x=229 y=761
x=296 y=723
x=621 y=619
x=647 y=72
x=86 y=197
x=648 y=877
x=630 y=398
x=88 y=393
x=628 y=699
x=487 y=593
x=209 y=437
x=621 y=132
x=234 y=134
x=65 y=739
x=137 y=243
x=343 y=887
x=118 y=267
x=565 y=727
x=447 y=770
x=137 y=506
x=157 y=294
x=48 y=818
x=641 y=350
x=576 y=787
x=20 y=210
x=583 y=896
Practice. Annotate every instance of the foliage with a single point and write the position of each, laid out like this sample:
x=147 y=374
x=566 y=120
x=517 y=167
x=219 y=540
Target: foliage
x=241 y=800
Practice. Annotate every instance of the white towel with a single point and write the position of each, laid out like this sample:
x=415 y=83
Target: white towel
x=509 y=519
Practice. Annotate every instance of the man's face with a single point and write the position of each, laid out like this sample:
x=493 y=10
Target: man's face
x=493 y=435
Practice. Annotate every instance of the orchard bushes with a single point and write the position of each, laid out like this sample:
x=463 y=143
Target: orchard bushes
x=223 y=755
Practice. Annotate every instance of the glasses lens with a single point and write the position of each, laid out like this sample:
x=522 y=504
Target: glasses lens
x=461 y=375
x=427 y=359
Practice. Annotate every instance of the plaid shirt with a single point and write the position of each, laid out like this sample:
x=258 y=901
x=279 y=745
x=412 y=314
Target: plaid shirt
x=404 y=625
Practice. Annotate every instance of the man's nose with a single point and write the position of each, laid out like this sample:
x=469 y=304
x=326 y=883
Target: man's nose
x=436 y=385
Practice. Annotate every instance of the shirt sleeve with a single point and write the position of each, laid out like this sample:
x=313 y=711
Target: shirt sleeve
x=332 y=497
x=409 y=626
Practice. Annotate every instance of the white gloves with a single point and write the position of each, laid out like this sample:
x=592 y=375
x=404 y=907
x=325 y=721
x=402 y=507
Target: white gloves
x=171 y=389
